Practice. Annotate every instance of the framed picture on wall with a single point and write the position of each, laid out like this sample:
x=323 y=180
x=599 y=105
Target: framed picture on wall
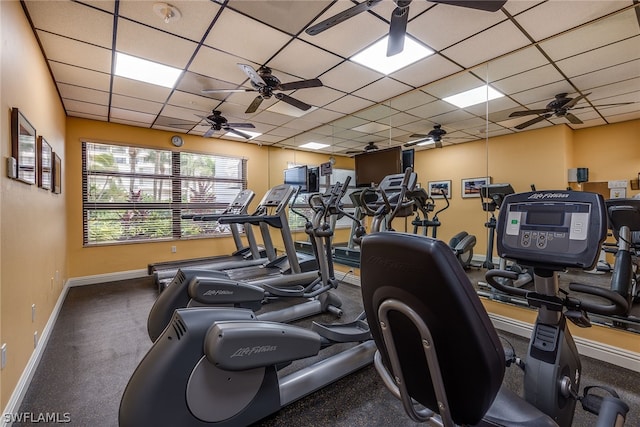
x=471 y=186
x=439 y=189
x=23 y=147
x=45 y=163
x=57 y=174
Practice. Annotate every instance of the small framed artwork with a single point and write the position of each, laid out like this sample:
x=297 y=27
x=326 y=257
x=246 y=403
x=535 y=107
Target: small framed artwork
x=471 y=186
x=439 y=189
x=57 y=174
x=23 y=147
x=45 y=163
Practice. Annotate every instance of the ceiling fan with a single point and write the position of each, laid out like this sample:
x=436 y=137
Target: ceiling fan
x=265 y=84
x=559 y=107
x=218 y=122
x=371 y=146
x=399 y=18
x=435 y=135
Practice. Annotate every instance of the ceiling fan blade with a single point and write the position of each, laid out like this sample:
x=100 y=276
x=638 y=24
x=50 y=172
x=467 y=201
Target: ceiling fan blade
x=575 y=100
x=302 y=84
x=208 y=133
x=528 y=112
x=237 y=132
x=419 y=135
x=573 y=119
x=292 y=101
x=487 y=5
x=241 y=125
x=252 y=74
x=254 y=105
x=227 y=90
x=533 y=121
x=398 y=29
x=341 y=17
x=617 y=104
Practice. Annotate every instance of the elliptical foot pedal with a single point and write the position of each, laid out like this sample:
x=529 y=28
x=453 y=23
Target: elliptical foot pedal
x=293 y=291
x=358 y=330
x=593 y=402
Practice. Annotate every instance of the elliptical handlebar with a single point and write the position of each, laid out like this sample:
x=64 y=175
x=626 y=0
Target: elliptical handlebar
x=491 y=276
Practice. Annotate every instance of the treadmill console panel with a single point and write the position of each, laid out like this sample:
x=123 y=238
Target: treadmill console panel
x=552 y=229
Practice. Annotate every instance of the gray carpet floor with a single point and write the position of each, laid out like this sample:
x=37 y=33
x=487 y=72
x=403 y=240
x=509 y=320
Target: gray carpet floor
x=100 y=337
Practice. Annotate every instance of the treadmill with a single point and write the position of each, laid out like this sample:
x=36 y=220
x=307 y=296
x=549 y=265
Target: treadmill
x=243 y=256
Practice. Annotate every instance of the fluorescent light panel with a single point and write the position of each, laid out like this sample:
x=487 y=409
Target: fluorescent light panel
x=146 y=71
x=427 y=142
x=473 y=96
x=248 y=132
x=375 y=56
x=313 y=145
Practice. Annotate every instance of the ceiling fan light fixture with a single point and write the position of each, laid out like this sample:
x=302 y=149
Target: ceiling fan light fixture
x=375 y=56
x=474 y=96
x=168 y=12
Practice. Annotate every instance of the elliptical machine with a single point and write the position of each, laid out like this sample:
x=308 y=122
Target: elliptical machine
x=438 y=351
x=462 y=243
x=220 y=366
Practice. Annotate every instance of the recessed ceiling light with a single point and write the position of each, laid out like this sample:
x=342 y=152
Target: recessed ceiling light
x=146 y=71
x=247 y=132
x=473 y=96
x=314 y=145
x=375 y=56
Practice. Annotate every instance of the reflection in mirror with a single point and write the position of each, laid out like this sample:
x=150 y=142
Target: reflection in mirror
x=23 y=146
x=45 y=163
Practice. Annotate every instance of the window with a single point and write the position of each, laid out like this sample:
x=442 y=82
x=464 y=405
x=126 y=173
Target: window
x=133 y=194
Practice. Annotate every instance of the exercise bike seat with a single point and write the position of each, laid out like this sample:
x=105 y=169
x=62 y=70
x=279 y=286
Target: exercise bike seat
x=434 y=335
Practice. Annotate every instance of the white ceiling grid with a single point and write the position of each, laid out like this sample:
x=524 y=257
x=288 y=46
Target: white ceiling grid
x=530 y=50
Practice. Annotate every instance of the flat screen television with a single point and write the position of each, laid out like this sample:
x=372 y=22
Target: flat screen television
x=373 y=166
x=298 y=177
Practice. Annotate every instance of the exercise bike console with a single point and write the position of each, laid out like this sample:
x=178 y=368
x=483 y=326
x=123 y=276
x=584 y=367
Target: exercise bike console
x=552 y=229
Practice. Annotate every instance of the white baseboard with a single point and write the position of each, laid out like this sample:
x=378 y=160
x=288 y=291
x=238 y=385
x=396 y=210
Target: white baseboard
x=613 y=355
x=107 y=277
x=13 y=406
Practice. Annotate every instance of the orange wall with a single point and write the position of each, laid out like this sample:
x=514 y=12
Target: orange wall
x=33 y=228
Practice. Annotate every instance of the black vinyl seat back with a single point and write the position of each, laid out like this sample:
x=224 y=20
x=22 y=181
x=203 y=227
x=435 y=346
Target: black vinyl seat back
x=424 y=274
x=623 y=212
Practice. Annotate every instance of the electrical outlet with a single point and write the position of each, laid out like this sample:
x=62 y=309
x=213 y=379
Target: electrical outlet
x=4 y=356
x=33 y=313
x=35 y=339
x=174 y=249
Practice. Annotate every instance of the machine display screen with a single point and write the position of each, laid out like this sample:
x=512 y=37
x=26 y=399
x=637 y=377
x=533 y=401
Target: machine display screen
x=535 y=217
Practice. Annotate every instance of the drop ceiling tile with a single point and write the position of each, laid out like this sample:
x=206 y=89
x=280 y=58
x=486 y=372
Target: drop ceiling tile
x=186 y=114
x=323 y=116
x=284 y=132
x=496 y=41
x=164 y=122
x=539 y=94
x=229 y=34
x=452 y=116
x=401 y=119
x=304 y=60
x=624 y=117
x=124 y=121
x=589 y=123
x=498 y=104
x=598 y=34
x=453 y=85
x=191 y=101
x=219 y=65
x=432 y=109
x=135 y=116
x=86 y=107
x=72 y=52
x=526 y=80
x=513 y=64
x=79 y=93
x=516 y=7
x=376 y=113
x=410 y=100
x=193 y=24
x=347 y=122
x=64 y=73
x=572 y=13
x=317 y=96
x=140 y=90
x=153 y=45
x=426 y=71
x=615 y=89
x=84 y=115
x=196 y=83
x=609 y=75
x=135 y=104
x=349 y=104
x=349 y=76
x=445 y=25
x=271 y=118
x=290 y=16
x=601 y=58
x=106 y=5
x=72 y=20
x=382 y=89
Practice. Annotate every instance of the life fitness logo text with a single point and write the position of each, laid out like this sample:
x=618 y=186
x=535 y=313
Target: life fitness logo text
x=544 y=196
